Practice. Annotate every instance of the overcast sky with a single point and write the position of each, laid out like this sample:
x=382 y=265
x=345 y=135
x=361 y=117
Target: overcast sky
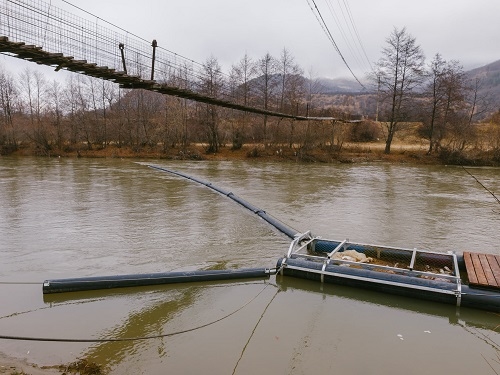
x=464 y=30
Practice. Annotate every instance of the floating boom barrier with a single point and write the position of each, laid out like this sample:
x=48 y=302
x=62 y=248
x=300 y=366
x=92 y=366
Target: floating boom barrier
x=134 y=280
x=283 y=228
x=124 y=281
x=469 y=279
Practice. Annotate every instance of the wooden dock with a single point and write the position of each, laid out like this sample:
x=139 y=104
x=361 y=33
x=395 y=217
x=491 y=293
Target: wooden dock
x=483 y=270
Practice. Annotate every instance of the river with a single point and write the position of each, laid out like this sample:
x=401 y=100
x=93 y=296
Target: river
x=91 y=217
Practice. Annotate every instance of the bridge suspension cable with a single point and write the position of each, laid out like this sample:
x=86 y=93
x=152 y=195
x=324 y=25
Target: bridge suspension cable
x=38 y=31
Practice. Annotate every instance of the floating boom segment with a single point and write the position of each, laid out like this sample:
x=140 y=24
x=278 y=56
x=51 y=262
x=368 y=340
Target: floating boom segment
x=283 y=228
x=162 y=278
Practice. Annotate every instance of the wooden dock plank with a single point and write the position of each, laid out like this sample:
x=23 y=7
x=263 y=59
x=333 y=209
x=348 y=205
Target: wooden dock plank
x=471 y=272
x=481 y=277
x=494 y=261
x=483 y=270
x=488 y=273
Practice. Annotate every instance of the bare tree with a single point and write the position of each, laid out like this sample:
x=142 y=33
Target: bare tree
x=266 y=86
x=55 y=93
x=444 y=94
x=291 y=90
x=72 y=104
x=401 y=70
x=108 y=99
x=453 y=117
x=479 y=102
x=8 y=98
x=34 y=87
x=211 y=85
x=435 y=92
x=182 y=76
x=242 y=74
x=121 y=119
x=83 y=113
x=313 y=88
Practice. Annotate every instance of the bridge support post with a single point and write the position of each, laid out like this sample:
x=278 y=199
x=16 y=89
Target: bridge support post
x=154 y=44
x=121 y=46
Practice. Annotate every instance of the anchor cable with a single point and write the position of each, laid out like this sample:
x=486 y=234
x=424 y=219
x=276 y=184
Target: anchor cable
x=138 y=338
x=253 y=331
x=480 y=183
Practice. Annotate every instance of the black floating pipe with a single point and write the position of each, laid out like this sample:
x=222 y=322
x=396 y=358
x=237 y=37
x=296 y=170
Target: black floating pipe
x=283 y=228
x=123 y=281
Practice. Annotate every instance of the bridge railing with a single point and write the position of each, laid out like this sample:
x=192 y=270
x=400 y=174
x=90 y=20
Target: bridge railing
x=42 y=24
x=124 y=57
x=39 y=23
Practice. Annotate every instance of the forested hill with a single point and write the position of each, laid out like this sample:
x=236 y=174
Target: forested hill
x=335 y=91
x=489 y=75
x=489 y=82
x=339 y=86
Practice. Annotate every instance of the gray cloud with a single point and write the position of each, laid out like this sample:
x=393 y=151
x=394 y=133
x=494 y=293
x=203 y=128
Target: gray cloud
x=463 y=30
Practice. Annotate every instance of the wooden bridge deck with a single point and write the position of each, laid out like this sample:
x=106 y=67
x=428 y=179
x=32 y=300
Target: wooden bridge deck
x=483 y=270
x=59 y=61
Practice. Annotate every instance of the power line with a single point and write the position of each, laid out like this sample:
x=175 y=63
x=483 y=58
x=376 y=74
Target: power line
x=350 y=27
x=349 y=41
x=321 y=20
x=346 y=3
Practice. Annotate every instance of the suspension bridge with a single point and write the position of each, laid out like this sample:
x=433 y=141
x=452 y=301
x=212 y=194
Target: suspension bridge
x=37 y=31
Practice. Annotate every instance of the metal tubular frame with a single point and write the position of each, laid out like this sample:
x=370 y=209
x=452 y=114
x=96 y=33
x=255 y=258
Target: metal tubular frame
x=297 y=246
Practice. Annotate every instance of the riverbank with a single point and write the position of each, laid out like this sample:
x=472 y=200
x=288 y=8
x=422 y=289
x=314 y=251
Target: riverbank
x=15 y=366
x=350 y=153
x=401 y=153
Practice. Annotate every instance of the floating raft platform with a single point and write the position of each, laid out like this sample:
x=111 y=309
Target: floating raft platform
x=423 y=274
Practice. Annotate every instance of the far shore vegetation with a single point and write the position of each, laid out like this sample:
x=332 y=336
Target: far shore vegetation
x=412 y=112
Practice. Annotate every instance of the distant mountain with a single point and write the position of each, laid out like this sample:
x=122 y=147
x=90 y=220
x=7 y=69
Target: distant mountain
x=489 y=76
x=334 y=91
x=339 y=86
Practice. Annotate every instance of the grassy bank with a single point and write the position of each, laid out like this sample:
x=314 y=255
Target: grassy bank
x=408 y=153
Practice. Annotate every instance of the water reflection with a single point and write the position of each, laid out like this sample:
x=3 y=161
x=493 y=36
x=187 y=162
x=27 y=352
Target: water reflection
x=455 y=316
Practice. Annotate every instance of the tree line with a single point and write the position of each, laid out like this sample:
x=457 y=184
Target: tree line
x=438 y=95
x=86 y=112
x=97 y=113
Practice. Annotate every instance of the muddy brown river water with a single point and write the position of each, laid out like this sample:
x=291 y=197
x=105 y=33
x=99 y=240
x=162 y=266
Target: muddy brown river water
x=73 y=218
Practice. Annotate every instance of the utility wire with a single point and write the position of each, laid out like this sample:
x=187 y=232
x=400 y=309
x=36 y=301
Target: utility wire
x=346 y=3
x=479 y=182
x=351 y=45
x=330 y=37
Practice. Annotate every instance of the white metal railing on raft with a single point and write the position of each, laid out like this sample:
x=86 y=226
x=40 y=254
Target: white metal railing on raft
x=302 y=246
